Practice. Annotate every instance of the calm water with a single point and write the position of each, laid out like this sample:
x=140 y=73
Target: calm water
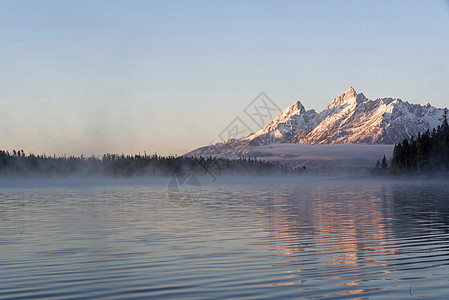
x=298 y=240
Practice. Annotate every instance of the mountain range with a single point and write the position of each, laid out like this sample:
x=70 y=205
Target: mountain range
x=351 y=118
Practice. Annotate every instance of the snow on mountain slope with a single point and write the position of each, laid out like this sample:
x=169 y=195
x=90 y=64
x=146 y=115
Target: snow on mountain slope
x=289 y=126
x=350 y=118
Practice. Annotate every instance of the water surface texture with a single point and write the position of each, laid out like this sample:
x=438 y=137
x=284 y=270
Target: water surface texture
x=322 y=240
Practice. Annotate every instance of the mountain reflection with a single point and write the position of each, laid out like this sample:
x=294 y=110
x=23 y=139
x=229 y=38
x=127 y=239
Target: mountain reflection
x=324 y=220
x=339 y=239
x=337 y=232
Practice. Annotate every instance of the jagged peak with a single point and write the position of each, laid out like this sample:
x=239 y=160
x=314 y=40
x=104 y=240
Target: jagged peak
x=295 y=109
x=383 y=120
x=297 y=106
x=349 y=96
x=351 y=90
x=387 y=100
x=361 y=98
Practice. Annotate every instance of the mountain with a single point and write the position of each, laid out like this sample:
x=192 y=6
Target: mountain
x=350 y=118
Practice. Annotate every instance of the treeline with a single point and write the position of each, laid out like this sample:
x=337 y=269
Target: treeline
x=428 y=153
x=18 y=163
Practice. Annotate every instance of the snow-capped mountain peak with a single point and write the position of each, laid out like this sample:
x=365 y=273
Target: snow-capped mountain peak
x=297 y=106
x=349 y=97
x=295 y=109
x=292 y=121
x=351 y=118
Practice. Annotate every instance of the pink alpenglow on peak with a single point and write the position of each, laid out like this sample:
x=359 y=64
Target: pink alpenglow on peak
x=350 y=118
x=349 y=97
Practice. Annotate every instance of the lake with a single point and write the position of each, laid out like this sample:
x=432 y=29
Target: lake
x=251 y=239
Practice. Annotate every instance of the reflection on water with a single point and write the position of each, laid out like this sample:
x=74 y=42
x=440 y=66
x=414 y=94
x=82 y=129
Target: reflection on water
x=357 y=236
x=247 y=241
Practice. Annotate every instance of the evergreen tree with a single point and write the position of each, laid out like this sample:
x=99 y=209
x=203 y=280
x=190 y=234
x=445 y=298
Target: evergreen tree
x=429 y=152
x=384 y=164
x=377 y=165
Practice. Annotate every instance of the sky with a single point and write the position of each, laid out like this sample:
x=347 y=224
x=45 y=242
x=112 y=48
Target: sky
x=92 y=77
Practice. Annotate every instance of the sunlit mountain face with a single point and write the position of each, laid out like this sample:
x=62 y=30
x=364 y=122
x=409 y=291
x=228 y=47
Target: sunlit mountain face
x=351 y=118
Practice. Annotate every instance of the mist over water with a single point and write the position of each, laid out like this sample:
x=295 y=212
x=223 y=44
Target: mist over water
x=242 y=238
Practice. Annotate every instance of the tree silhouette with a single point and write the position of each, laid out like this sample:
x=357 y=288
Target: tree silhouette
x=18 y=163
x=428 y=153
x=384 y=164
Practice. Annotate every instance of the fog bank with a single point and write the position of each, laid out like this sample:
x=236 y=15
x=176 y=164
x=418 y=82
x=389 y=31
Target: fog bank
x=323 y=156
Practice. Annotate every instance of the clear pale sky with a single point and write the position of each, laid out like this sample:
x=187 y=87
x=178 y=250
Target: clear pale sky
x=89 y=77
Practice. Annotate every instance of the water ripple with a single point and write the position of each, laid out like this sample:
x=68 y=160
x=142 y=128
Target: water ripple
x=253 y=242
